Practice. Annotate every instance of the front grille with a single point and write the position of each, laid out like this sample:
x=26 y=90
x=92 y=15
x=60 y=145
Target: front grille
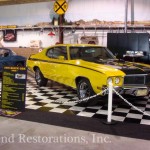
x=148 y=80
x=137 y=80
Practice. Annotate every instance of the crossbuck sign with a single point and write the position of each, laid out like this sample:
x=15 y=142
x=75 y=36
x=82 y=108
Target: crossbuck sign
x=60 y=7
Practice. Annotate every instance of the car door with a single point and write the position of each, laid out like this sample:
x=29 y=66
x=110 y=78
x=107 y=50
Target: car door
x=45 y=65
x=58 y=64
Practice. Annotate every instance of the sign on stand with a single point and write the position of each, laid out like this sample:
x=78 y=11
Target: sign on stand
x=13 y=91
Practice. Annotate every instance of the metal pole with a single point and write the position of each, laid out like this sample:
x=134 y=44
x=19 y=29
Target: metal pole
x=132 y=12
x=126 y=15
x=110 y=95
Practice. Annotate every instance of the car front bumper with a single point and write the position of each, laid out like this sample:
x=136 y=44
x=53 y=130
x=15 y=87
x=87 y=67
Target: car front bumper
x=134 y=91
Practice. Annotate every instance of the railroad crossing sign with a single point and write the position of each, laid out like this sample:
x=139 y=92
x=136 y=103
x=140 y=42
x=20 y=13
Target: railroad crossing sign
x=60 y=7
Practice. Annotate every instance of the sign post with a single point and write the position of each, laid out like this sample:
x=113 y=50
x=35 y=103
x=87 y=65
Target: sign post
x=60 y=7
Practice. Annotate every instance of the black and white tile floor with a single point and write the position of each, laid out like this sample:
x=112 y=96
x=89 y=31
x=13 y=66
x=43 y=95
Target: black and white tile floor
x=48 y=98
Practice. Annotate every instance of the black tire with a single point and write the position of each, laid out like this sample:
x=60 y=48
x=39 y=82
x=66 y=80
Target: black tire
x=39 y=78
x=84 y=90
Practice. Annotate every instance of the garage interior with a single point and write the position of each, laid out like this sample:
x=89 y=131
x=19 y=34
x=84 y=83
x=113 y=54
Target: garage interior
x=50 y=112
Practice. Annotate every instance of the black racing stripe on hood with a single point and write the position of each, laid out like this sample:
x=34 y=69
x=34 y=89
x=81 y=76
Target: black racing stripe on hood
x=126 y=67
x=128 y=71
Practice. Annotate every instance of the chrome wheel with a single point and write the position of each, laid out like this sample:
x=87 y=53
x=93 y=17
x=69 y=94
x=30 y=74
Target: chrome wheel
x=84 y=90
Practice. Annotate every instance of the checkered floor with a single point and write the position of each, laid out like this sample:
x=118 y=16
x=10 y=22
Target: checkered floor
x=59 y=99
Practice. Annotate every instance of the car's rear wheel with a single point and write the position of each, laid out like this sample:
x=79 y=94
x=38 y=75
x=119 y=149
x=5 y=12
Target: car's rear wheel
x=84 y=90
x=39 y=78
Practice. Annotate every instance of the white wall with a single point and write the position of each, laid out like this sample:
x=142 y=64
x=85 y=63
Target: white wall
x=75 y=37
x=107 y=10
x=24 y=38
x=28 y=14
x=33 y=13
x=25 y=14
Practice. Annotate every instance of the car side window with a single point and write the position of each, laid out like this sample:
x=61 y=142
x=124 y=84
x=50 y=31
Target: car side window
x=50 y=53
x=81 y=52
x=55 y=52
x=75 y=53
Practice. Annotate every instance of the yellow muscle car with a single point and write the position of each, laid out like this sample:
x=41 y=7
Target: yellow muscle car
x=89 y=69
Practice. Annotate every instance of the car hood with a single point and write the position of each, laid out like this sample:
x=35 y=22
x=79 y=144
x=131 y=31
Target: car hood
x=115 y=66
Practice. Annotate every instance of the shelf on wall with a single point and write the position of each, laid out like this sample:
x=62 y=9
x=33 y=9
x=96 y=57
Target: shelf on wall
x=68 y=27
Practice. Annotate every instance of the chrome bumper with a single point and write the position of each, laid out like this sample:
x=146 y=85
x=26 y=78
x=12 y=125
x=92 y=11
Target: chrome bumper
x=134 y=91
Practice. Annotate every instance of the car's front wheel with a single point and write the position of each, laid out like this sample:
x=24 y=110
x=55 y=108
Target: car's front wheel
x=84 y=90
x=39 y=78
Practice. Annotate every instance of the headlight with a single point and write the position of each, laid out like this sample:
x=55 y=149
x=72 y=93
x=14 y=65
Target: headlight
x=117 y=80
x=109 y=80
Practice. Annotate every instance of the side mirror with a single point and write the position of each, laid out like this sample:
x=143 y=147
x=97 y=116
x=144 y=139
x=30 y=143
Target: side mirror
x=61 y=58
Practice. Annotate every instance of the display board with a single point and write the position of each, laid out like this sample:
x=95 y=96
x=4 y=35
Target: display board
x=13 y=88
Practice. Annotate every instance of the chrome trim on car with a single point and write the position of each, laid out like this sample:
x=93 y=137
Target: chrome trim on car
x=132 y=90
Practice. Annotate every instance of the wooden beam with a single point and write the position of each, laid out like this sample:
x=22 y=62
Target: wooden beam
x=14 y=2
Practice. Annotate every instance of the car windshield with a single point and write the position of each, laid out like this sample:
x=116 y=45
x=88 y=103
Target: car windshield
x=90 y=53
x=4 y=52
x=13 y=53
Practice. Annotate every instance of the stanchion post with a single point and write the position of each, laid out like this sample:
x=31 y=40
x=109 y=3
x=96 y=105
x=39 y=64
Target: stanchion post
x=110 y=98
x=110 y=95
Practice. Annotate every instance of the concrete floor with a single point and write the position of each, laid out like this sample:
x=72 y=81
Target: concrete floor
x=17 y=134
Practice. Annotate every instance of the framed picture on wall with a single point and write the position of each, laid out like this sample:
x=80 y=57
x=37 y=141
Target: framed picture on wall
x=9 y=35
